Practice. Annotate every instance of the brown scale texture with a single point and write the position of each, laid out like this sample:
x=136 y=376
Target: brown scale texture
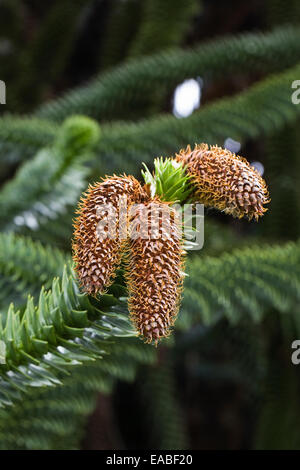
x=154 y=269
x=225 y=181
x=97 y=257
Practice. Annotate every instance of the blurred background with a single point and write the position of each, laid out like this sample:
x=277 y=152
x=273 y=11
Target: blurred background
x=158 y=75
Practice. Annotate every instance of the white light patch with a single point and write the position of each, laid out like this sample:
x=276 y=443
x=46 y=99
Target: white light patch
x=19 y=220
x=259 y=167
x=187 y=97
x=30 y=221
x=232 y=145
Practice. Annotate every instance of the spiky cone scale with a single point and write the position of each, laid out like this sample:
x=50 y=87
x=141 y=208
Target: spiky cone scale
x=155 y=263
x=96 y=255
x=225 y=181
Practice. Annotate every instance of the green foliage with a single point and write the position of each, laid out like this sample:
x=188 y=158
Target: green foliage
x=169 y=180
x=164 y=418
x=128 y=84
x=120 y=29
x=51 y=181
x=61 y=332
x=78 y=134
x=262 y=109
x=20 y=138
x=55 y=344
x=248 y=281
x=54 y=418
x=279 y=414
x=43 y=60
x=24 y=266
x=163 y=25
x=285 y=201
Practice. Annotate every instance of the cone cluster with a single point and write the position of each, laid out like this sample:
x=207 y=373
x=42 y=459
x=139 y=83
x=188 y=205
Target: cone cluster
x=152 y=248
x=152 y=253
x=225 y=181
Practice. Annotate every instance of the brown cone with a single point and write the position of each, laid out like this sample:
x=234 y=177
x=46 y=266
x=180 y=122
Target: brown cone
x=97 y=255
x=225 y=181
x=154 y=269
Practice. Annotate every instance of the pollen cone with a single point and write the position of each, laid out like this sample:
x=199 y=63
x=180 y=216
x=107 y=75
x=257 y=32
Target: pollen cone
x=97 y=246
x=154 y=269
x=225 y=181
